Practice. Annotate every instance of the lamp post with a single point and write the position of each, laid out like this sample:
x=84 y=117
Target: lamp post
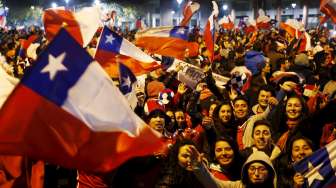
x=179 y=11
x=293 y=6
x=225 y=7
x=53 y=5
x=67 y=2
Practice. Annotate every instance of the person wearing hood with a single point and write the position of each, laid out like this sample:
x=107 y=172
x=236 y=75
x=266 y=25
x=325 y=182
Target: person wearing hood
x=257 y=171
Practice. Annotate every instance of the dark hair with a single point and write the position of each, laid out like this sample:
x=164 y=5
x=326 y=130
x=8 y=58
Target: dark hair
x=262 y=122
x=333 y=73
x=291 y=142
x=304 y=111
x=158 y=113
x=241 y=97
x=234 y=169
x=267 y=88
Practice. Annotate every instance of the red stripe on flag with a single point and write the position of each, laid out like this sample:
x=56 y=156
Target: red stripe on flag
x=108 y=60
x=209 y=40
x=167 y=46
x=55 y=19
x=42 y=130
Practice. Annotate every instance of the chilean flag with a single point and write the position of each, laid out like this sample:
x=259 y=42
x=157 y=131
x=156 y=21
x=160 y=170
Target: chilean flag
x=189 y=10
x=226 y=23
x=128 y=82
x=67 y=111
x=167 y=41
x=209 y=32
x=3 y=15
x=25 y=43
x=81 y=26
x=328 y=7
x=113 y=49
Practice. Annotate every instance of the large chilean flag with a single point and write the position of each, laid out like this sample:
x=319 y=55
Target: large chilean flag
x=67 y=111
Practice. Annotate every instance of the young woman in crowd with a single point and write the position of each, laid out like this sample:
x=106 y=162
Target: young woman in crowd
x=226 y=161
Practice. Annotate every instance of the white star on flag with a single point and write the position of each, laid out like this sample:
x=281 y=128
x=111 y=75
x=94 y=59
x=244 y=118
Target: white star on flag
x=127 y=81
x=313 y=173
x=109 y=39
x=180 y=31
x=54 y=65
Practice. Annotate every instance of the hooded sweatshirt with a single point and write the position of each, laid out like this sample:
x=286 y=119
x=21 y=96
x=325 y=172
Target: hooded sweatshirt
x=210 y=181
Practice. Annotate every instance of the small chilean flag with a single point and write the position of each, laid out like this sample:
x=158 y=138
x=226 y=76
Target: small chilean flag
x=71 y=114
x=209 y=32
x=113 y=49
x=81 y=26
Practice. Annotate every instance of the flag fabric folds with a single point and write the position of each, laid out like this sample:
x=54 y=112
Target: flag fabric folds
x=71 y=114
x=319 y=168
x=25 y=43
x=189 y=10
x=226 y=23
x=328 y=7
x=78 y=24
x=127 y=84
x=3 y=17
x=209 y=32
x=113 y=49
x=167 y=41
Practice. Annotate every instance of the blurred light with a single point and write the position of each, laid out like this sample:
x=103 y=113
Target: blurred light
x=179 y=1
x=32 y=7
x=6 y=8
x=97 y=2
x=53 y=5
x=287 y=8
x=172 y=12
x=293 y=5
x=67 y=1
x=225 y=7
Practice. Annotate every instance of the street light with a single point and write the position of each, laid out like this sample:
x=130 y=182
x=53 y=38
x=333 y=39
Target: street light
x=53 y=5
x=179 y=2
x=32 y=7
x=97 y=2
x=293 y=6
x=225 y=7
x=172 y=12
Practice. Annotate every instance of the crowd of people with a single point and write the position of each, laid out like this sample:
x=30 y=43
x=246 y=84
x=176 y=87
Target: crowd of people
x=239 y=135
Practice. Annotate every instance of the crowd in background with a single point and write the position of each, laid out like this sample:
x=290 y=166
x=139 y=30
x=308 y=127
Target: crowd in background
x=247 y=133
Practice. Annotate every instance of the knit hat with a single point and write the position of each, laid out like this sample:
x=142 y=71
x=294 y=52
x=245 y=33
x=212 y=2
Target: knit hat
x=302 y=60
x=154 y=88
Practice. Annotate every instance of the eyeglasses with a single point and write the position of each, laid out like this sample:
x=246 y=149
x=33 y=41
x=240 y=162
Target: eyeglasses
x=260 y=169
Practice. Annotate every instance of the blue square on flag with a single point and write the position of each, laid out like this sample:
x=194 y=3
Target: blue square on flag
x=126 y=79
x=179 y=32
x=54 y=71
x=110 y=41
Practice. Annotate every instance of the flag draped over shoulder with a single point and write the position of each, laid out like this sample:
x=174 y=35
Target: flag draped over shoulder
x=71 y=114
x=328 y=7
x=319 y=168
x=167 y=41
x=113 y=49
x=81 y=26
x=209 y=32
